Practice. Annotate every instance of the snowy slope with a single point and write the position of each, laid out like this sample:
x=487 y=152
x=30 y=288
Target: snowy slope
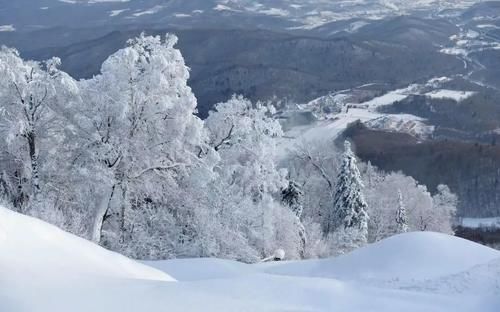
x=411 y=256
x=43 y=269
x=481 y=279
x=366 y=112
x=202 y=269
x=37 y=250
x=345 y=112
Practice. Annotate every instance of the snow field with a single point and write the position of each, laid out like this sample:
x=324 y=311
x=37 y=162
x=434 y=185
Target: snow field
x=43 y=269
x=36 y=250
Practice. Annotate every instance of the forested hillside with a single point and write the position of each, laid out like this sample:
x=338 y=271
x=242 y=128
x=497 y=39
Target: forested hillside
x=122 y=159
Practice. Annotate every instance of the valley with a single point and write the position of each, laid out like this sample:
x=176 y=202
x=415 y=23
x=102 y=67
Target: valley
x=311 y=60
x=241 y=155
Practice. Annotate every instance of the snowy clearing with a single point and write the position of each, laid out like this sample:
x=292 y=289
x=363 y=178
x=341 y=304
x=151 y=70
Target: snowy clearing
x=114 y=13
x=150 y=11
x=44 y=269
x=488 y=26
x=327 y=130
x=386 y=99
x=331 y=125
x=7 y=28
x=455 y=95
x=403 y=123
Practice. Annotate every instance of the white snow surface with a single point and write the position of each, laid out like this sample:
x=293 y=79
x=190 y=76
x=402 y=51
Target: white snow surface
x=403 y=123
x=202 y=268
x=7 y=28
x=35 y=250
x=409 y=257
x=329 y=126
x=114 y=13
x=455 y=95
x=328 y=130
x=43 y=269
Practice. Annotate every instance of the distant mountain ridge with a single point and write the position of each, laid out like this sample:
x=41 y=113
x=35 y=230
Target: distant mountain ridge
x=274 y=14
x=261 y=64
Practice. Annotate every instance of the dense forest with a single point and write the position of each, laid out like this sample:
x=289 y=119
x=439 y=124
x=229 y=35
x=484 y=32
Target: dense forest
x=122 y=159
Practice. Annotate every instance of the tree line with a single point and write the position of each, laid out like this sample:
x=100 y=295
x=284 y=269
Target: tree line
x=123 y=160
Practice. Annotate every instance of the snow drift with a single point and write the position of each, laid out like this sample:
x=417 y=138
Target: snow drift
x=34 y=249
x=43 y=269
x=410 y=256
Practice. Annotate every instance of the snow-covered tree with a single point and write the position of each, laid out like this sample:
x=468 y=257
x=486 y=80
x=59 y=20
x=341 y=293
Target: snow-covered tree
x=317 y=246
x=349 y=206
x=279 y=230
x=292 y=197
x=142 y=135
x=423 y=212
x=347 y=226
x=444 y=210
x=314 y=165
x=344 y=240
x=245 y=136
x=122 y=159
x=31 y=96
x=401 y=216
x=371 y=176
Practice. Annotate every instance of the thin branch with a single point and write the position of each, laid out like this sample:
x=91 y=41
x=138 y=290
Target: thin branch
x=307 y=156
x=225 y=140
x=155 y=168
x=113 y=163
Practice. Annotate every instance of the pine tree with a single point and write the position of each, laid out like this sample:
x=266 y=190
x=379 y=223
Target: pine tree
x=401 y=216
x=292 y=197
x=349 y=206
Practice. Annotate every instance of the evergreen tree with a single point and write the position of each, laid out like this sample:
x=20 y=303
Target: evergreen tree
x=401 y=216
x=292 y=197
x=349 y=206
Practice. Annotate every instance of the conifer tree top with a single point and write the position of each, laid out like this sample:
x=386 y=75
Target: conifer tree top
x=349 y=209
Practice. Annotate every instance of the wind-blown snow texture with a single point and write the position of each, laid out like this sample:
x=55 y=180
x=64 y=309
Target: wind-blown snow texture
x=45 y=269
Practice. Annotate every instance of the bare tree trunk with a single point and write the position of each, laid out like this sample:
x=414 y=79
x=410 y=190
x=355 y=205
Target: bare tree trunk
x=124 y=209
x=102 y=215
x=35 y=178
x=303 y=238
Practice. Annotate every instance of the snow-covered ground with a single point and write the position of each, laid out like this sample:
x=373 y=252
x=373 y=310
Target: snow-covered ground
x=403 y=123
x=35 y=249
x=469 y=41
x=430 y=256
x=43 y=269
x=330 y=126
x=455 y=95
x=7 y=28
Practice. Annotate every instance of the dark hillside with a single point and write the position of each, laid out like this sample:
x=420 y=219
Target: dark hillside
x=471 y=170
